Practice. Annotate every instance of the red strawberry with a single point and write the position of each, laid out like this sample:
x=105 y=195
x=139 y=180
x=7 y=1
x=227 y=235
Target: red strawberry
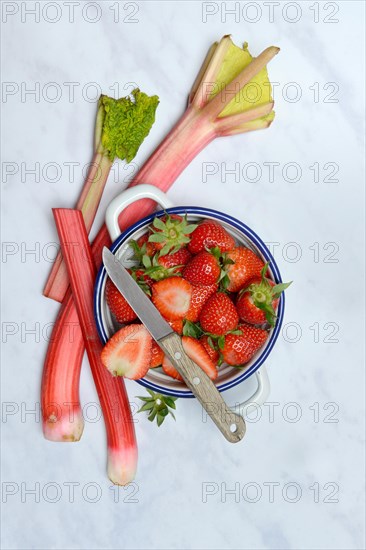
x=142 y=278
x=258 y=301
x=196 y=351
x=120 y=308
x=181 y=258
x=128 y=352
x=150 y=248
x=246 y=266
x=211 y=352
x=172 y=297
x=157 y=355
x=177 y=325
x=239 y=349
x=203 y=269
x=210 y=234
x=170 y=233
x=218 y=315
x=200 y=295
x=170 y=370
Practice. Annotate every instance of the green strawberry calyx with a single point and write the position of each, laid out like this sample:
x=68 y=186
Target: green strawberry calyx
x=172 y=232
x=157 y=406
x=263 y=294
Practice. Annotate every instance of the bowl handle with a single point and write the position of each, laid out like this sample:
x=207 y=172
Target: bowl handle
x=127 y=197
x=260 y=395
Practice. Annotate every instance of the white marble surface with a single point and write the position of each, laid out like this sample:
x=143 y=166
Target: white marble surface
x=162 y=52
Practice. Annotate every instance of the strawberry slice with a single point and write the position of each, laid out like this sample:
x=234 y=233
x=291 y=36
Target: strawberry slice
x=177 y=325
x=128 y=352
x=196 y=351
x=157 y=355
x=172 y=297
x=170 y=370
x=212 y=353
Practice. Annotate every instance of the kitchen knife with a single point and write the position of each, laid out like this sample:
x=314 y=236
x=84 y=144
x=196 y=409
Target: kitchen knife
x=231 y=425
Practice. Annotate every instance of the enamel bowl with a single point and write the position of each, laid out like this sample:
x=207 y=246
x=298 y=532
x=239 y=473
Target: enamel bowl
x=156 y=379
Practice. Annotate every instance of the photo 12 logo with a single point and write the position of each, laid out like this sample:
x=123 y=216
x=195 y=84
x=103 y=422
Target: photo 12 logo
x=269 y=12
x=70 y=12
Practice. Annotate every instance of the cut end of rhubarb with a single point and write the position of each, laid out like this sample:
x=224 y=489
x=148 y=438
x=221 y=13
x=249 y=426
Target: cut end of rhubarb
x=64 y=429
x=122 y=464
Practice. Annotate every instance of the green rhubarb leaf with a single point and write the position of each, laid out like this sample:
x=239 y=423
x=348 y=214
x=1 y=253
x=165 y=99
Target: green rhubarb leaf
x=257 y=92
x=123 y=124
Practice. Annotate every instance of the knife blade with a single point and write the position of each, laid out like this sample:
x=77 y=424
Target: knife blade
x=230 y=424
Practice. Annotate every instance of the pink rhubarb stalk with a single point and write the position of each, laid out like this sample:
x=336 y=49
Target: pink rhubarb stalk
x=122 y=448
x=199 y=125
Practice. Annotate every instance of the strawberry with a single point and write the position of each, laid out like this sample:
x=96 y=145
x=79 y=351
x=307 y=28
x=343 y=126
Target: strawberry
x=172 y=297
x=142 y=247
x=203 y=269
x=258 y=301
x=170 y=233
x=196 y=351
x=218 y=315
x=241 y=266
x=200 y=295
x=128 y=352
x=210 y=234
x=120 y=308
x=142 y=279
x=239 y=349
x=157 y=355
x=177 y=325
x=179 y=258
x=170 y=370
x=149 y=248
x=211 y=352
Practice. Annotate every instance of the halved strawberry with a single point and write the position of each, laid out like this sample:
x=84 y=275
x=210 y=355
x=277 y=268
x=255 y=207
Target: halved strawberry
x=157 y=355
x=128 y=352
x=200 y=295
x=196 y=351
x=218 y=315
x=177 y=325
x=170 y=370
x=170 y=233
x=203 y=269
x=211 y=352
x=118 y=305
x=172 y=297
x=210 y=234
x=239 y=349
x=243 y=266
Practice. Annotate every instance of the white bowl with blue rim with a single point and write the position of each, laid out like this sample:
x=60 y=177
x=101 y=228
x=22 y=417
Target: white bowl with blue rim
x=156 y=379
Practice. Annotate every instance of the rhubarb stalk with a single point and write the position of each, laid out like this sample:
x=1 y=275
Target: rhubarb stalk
x=120 y=128
x=226 y=68
x=121 y=441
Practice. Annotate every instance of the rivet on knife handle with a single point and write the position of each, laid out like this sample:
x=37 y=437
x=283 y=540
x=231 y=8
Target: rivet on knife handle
x=231 y=425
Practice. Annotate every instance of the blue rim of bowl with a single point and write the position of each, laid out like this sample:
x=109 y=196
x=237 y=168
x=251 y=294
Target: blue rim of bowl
x=240 y=226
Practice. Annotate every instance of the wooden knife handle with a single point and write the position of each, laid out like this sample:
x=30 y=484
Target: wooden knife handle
x=231 y=425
